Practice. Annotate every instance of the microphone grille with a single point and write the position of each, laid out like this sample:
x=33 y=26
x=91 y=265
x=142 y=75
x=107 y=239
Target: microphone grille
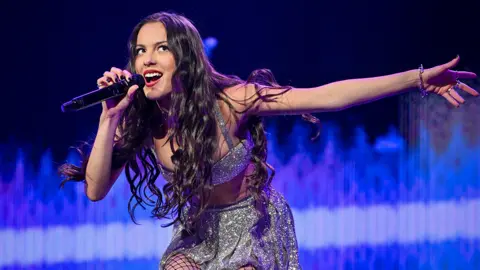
x=138 y=80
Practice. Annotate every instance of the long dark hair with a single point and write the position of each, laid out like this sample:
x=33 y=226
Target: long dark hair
x=192 y=126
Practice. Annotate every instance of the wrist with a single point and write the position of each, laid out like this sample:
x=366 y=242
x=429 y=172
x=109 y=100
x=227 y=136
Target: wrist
x=413 y=78
x=109 y=119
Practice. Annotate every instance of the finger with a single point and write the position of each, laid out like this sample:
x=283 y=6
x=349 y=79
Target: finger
x=451 y=99
x=131 y=91
x=118 y=72
x=467 y=89
x=127 y=74
x=102 y=82
x=456 y=96
x=452 y=63
x=111 y=77
x=104 y=106
x=112 y=102
x=122 y=102
x=128 y=97
x=466 y=75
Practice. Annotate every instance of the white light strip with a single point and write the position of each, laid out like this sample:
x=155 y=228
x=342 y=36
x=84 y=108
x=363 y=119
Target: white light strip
x=383 y=224
x=83 y=243
x=316 y=228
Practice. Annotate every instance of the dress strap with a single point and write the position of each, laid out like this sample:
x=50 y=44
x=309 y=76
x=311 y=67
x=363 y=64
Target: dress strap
x=223 y=126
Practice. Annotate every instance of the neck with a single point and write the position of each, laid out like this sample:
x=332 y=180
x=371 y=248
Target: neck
x=163 y=104
x=160 y=127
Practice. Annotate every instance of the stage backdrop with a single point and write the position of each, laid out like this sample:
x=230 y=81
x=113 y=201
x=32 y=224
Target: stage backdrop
x=401 y=202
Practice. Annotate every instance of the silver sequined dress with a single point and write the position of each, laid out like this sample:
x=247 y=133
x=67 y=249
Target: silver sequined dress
x=236 y=235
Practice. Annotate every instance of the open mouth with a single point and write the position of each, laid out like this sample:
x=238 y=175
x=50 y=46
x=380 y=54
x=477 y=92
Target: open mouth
x=152 y=77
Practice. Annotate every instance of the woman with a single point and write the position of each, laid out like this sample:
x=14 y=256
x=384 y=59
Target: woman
x=203 y=132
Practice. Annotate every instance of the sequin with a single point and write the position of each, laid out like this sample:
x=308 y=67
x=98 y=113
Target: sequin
x=225 y=169
x=236 y=235
x=234 y=162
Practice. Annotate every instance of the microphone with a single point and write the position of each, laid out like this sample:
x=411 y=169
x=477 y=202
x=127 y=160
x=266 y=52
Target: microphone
x=92 y=98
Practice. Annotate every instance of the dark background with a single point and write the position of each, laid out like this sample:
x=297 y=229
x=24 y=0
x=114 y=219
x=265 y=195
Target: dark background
x=56 y=50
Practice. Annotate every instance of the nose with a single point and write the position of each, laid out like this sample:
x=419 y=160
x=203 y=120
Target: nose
x=149 y=61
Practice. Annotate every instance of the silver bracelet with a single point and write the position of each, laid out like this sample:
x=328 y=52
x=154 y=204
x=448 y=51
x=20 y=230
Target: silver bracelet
x=423 y=91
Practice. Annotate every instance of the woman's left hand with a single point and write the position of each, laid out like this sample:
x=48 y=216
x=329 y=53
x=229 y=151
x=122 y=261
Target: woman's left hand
x=443 y=81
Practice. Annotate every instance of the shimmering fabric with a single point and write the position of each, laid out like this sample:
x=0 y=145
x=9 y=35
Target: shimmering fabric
x=237 y=235
x=241 y=234
x=233 y=163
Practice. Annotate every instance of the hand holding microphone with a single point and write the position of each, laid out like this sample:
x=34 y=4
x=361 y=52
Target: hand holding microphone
x=113 y=84
x=116 y=106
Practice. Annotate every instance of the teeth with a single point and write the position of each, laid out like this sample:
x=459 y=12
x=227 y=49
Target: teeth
x=153 y=74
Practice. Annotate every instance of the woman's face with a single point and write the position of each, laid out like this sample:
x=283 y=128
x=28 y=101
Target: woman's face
x=154 y=60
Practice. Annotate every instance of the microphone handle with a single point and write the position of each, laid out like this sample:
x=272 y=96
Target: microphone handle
x=97 y=96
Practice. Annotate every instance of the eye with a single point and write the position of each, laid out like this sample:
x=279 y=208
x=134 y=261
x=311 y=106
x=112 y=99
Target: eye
x=163 y=48
x=139 y=51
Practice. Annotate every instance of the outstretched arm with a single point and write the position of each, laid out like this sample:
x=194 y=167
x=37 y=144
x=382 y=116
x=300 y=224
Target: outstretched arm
x=344 y=94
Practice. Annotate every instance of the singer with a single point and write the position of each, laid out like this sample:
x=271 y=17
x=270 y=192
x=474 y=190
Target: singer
x=203 y=132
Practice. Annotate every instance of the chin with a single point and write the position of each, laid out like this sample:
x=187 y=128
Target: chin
x=154 y=94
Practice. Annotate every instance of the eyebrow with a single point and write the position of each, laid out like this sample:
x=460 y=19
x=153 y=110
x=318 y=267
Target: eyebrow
x=156 y=44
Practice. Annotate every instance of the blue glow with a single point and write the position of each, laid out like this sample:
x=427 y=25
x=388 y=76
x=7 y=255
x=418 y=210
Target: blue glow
x=368 y=205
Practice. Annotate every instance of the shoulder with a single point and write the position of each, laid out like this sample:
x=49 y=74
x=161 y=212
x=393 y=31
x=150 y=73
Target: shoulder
x=257 y=99
x=241 y=97
x=241 y=91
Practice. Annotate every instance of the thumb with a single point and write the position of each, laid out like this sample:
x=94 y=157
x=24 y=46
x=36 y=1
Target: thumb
x=452 y=63
x=123 y=104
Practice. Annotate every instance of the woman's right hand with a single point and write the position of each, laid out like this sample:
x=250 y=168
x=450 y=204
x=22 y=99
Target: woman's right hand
x=115 y=107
